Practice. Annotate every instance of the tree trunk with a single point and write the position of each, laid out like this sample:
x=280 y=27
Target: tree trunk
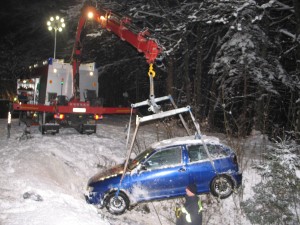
x=198 y=74
x=170 y=77
x=187 y=81
x=297 y=14
x=243 y=119
x=210 y=114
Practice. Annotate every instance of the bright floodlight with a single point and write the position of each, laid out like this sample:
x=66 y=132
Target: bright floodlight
x=90 y=15
x=56 y=24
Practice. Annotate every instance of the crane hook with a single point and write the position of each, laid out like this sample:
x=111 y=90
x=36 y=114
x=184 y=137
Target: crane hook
x=151 y=72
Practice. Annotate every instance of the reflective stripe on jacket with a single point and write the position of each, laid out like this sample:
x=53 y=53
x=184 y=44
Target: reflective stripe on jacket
x=188 y=215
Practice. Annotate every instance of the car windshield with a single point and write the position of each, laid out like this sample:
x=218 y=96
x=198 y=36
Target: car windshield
x=137 y=160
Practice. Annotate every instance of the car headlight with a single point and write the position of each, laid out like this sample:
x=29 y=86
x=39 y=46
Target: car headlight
x=90 y=189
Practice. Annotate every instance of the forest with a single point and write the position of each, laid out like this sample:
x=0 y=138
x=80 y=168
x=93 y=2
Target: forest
x=236 y=63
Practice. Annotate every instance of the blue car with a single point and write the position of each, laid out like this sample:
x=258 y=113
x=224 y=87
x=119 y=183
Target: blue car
x=164 y=170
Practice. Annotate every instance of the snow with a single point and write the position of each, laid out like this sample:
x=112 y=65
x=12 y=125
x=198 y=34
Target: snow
x=186 y=140
x=43 y=178
x=266 y=5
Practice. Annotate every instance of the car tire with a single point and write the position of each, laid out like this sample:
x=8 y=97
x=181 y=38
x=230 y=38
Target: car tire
x=117 y=204
x=42 y=130
x=80 y=129
x=222 y=186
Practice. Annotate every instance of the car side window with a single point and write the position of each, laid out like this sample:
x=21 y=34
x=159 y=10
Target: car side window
x=164 y=158
x=197 y=153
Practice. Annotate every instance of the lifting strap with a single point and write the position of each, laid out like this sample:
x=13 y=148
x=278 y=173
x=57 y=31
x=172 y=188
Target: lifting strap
x=129 y=151
x=197 y=126
x=128 y=156
x=129 y=126
x=181 y=117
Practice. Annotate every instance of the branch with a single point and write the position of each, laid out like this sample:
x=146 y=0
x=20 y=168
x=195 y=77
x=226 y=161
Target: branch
x=105 y=67
x=155 y=15
x=287 y=33
x=285 y=7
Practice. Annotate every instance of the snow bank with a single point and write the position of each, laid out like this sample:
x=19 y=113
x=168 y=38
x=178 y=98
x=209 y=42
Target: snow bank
x=43 y=178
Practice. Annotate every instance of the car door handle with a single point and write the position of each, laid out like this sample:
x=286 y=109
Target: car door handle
x=182 y=169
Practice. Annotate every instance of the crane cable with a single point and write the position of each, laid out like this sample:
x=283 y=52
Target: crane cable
x=129 y=126
x=151 y=74
x=156 y=213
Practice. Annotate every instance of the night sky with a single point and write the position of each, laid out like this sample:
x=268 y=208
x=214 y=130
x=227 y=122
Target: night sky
x=24 y=26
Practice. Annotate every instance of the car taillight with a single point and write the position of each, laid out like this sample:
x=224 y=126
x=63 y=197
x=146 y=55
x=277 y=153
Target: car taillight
x=59 y=116
x=98 y=117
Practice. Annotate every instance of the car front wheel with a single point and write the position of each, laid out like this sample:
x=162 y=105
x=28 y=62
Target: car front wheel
x=222 y=186
x=117 y=204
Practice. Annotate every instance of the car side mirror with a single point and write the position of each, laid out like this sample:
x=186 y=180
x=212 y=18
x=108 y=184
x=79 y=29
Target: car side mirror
x=141 y=167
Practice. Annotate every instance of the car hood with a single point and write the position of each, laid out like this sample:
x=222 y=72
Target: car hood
x=103 y=175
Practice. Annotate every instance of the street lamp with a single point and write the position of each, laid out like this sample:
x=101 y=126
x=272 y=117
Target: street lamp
x=56 y=24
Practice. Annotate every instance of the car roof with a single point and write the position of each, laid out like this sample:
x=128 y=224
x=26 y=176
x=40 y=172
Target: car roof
x=186 y=140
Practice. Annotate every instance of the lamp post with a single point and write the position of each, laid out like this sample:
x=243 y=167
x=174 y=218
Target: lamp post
x=56 y=24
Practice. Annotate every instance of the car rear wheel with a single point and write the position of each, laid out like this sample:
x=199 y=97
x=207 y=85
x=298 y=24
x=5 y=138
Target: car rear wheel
x=117 y=204
x=222 y=186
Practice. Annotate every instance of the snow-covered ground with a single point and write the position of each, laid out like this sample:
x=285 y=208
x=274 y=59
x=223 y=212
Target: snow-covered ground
x=43 y=178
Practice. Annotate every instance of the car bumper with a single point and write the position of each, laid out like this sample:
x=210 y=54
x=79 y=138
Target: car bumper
x=238 y=179
x=95 y=199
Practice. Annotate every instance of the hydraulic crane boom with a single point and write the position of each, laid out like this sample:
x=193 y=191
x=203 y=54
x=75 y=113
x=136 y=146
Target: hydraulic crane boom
x=120 y=26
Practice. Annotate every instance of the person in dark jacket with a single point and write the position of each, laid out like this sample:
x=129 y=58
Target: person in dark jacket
x=191 y=211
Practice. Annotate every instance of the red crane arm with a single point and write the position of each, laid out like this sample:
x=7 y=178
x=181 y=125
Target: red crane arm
x=120 y=26
x=76 y=57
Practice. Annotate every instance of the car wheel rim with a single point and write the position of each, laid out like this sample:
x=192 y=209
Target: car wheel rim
x=117 y=203
x=223 y=187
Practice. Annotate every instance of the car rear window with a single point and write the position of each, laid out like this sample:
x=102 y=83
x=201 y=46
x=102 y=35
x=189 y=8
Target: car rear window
x=197 y=152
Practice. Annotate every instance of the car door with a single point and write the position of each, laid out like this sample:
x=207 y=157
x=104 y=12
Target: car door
x=163 y=175
x=200 y=169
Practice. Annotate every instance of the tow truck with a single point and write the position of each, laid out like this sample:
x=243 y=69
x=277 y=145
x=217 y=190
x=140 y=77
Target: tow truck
x=61 y=94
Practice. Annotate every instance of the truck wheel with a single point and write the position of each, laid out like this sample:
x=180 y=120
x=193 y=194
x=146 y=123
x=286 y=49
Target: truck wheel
x=42 y=130
x=80 y=129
